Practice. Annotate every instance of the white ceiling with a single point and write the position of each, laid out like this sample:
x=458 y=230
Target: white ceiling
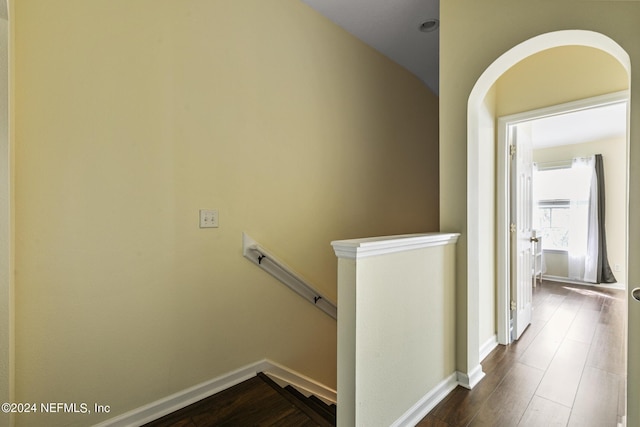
x=576 y=127
x=392 y=28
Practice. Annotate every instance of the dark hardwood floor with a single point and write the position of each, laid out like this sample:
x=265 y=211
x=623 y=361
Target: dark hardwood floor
x=567 y=369
x=257 y=401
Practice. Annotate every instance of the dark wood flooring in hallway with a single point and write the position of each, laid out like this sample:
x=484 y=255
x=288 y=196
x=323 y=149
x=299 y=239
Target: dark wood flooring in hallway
x=567 y=369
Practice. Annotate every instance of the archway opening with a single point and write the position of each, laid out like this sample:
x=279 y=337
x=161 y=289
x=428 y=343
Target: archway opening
x=481 y=176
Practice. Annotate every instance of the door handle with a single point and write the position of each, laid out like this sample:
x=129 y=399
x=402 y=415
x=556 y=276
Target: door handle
x=636 y=294
x=534 y=239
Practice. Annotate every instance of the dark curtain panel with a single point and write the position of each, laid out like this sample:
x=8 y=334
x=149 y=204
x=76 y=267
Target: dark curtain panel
x=605 y=275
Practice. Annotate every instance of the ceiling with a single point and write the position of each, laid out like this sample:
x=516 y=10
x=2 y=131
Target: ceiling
x=592 y=124
x=392 y=28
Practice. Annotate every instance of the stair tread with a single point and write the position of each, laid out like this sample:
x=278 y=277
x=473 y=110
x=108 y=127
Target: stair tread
x=328 y=407
x=321 y=415
x=312 y=401
x=251 y=402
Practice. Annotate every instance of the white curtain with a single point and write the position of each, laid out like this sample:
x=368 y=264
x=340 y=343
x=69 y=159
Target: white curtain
x=536 y=201
x=583 y=231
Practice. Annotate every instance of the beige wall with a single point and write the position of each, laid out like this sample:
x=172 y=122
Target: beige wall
x=614 y=156
x=556 y=76
x=6 y=285
x=392 y=351
x=476 y=34
x=395 y=370
x=131 y=116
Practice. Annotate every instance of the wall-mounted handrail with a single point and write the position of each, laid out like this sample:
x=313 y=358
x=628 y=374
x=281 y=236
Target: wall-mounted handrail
x=278 y=269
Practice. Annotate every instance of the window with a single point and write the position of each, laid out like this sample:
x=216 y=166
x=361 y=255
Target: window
x=561 y=202
x=552 y=218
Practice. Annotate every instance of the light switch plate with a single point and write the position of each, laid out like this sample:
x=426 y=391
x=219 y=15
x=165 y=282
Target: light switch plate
x=208 y=218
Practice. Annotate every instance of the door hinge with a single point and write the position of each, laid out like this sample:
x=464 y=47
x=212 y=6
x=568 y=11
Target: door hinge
x=512 y=150
x=513 y=305
x=512 y=227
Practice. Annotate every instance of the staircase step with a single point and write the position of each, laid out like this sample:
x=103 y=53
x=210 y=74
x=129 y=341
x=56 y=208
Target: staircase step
x=314 y=403
x=250 y=403
x=319 y=413
x=330 y=408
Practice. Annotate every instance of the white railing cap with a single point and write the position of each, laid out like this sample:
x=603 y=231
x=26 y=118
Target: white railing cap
x=372 y=246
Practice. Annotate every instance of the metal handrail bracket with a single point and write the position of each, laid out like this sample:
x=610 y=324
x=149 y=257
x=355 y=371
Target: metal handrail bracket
x=285 y=274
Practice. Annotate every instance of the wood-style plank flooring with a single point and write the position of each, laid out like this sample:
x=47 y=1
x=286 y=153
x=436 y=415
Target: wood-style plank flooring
x=567 y=369
x=251 y=403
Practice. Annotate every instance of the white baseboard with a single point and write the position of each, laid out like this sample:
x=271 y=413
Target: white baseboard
x=488 y=347
x=181 y=399
x=470 y=379
x=422 y=407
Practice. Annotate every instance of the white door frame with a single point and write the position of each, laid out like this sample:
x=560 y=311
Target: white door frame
x=503 y=188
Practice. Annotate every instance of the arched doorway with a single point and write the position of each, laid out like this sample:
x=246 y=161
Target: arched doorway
x=480 y=217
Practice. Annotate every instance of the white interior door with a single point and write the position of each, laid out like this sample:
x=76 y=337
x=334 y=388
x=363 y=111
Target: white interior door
x=521 y=227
